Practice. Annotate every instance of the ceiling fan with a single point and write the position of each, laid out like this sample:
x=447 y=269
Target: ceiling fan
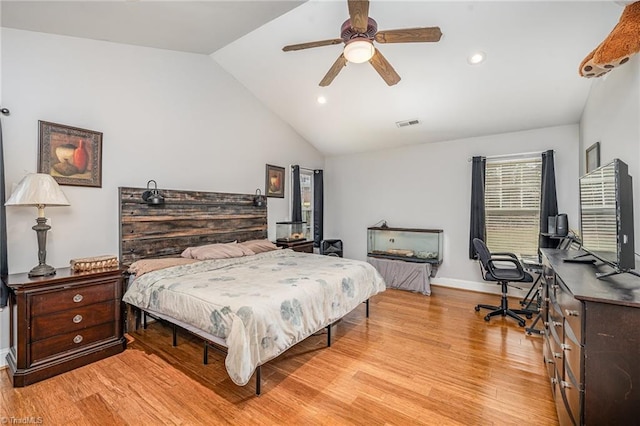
x=358 y=34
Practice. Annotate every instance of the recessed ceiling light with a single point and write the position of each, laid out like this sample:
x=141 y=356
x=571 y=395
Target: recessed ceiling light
x=477 y=58
x=321 y=99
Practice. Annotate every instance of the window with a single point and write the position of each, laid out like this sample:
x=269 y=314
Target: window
x=512 y=205
x=306 y=189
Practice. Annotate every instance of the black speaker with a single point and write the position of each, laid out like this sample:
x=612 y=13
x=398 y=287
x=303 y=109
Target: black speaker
x=562 y=225
x=551 y=225
x=331 y=248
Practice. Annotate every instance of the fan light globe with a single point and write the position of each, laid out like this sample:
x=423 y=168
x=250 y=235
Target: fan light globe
x=359 y=51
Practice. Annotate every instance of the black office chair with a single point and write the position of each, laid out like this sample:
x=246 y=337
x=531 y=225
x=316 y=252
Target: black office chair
x=495 y=268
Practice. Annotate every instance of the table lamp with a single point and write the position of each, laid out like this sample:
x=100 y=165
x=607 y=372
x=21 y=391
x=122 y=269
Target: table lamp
x=39 y=190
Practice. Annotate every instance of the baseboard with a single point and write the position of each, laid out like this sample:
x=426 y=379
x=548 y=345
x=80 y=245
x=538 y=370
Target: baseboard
x=3 y=358
x=480 y=287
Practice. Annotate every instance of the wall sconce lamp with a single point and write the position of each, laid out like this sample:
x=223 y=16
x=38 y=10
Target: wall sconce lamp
x=259 y=200
x=152 y=196
x=39 y=190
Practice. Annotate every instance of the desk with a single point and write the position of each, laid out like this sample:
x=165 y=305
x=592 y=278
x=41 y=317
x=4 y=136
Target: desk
x=564 y=241
x=591 y=341
x=412 y=276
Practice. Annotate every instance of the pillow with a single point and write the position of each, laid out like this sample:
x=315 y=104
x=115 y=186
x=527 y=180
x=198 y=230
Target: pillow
x=259 y=246
x=141 y=267
x=217 y=251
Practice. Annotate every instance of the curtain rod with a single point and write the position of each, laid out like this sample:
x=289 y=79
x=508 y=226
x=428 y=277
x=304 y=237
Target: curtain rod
x=505 y=156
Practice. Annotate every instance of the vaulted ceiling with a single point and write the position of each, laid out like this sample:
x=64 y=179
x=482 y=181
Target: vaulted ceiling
x=528 y=80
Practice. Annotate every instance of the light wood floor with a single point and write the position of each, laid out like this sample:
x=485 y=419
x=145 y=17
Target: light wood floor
x=416 y=360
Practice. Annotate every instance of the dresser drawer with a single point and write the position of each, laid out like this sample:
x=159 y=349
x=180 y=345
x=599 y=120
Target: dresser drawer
x=573 y=392
x=550 y=361
x=555 y=344
x=572 y=311
x=79 y=339
x=80 y=295
x=46 y=326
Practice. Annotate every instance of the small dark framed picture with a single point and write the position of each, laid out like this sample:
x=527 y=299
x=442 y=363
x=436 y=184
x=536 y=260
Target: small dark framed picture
x=73 y=156
x=274 y=181
x=593 y=157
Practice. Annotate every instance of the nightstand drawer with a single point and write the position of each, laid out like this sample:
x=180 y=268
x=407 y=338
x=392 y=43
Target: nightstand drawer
x=74 y=340
x=51 y=325
x=61 y=300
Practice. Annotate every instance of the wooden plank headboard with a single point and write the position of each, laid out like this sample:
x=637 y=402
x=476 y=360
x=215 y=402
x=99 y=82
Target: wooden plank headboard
x=188 y=218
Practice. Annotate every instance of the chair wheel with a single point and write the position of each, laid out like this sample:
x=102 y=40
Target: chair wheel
x=521 y=323
x=529 y=316
x=477 y=308
x=487 y=318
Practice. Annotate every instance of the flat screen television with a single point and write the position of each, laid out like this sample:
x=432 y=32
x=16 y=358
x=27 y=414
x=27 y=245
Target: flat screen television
x=606 y=216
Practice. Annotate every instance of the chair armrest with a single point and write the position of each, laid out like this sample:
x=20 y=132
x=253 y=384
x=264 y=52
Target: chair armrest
x=495 y=271
x=512 y=255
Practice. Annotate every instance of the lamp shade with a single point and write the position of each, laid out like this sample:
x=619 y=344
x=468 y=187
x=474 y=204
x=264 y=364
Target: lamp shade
x=359 y=51
x=37 y=189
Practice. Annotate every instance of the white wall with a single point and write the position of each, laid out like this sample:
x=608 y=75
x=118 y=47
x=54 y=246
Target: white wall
x=428 y=186
x=174 y=117
x=612 y=117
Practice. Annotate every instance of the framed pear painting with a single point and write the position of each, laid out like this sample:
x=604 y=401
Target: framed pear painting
x=73 y=156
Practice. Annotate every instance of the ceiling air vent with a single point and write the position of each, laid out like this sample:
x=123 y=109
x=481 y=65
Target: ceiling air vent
x=407 y=123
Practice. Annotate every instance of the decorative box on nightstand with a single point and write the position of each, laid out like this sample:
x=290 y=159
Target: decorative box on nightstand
x=63 y=321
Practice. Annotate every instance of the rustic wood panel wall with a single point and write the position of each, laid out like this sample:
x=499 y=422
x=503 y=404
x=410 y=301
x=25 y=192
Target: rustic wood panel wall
x=188 y=218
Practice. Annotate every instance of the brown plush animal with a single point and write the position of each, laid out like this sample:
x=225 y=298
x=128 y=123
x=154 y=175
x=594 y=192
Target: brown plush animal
x=618 y=47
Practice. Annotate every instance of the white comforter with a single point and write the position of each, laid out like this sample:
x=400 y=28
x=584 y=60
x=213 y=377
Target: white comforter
x=261 y=305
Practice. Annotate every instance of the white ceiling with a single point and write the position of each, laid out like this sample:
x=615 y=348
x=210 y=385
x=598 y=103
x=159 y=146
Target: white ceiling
x=529 y=80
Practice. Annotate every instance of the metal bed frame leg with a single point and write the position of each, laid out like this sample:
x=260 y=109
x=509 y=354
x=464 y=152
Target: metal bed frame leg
x=329 y=335
x=258 y=379
x=175 y=336
x=144 y=320
x=367 y=303
x=138 y=313
x=205 y=358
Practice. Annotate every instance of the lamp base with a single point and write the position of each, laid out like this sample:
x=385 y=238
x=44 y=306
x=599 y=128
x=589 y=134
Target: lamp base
x=42 y=271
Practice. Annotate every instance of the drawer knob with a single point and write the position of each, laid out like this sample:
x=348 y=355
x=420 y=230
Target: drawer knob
x=572 y=313
x=557 y=324
x=565 y=385
x=77 y=319
x=566 y=347
x=78 y=298
x=557 y=355
x=77 y=339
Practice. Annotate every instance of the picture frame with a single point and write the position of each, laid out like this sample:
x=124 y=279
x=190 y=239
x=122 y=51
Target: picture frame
x=274 y=181
x=73 y=156
x=593 y=157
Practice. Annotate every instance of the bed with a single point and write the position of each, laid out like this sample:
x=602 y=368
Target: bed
x=255 y=306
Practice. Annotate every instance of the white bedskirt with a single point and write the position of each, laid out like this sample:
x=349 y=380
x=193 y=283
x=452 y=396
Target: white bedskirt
x=403 y=275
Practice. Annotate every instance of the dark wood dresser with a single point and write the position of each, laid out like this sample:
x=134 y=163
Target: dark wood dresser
x=63 y=321
x=592 y=341
x=304 y=246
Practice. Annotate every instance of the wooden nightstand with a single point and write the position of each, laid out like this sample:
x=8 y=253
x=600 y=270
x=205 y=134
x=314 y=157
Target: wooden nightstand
x=300 y=246
x=63 y=321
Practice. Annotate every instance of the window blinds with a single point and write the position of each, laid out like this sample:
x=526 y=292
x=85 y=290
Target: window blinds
x=512 y=205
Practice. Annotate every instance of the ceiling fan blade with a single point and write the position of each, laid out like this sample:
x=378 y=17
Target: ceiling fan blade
x=409 y=35
x=312 y=44
x=337 y=66
x=359 y=15
x=384 y=68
